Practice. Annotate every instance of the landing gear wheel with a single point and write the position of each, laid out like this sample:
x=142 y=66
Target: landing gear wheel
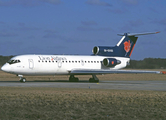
x=23 y=80
x=73 y=79
x=92 y=80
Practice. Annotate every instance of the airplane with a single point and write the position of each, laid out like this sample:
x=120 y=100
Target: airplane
x=105 y=60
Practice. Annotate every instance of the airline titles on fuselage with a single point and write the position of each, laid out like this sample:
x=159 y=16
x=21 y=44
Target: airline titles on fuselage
x=51 y=58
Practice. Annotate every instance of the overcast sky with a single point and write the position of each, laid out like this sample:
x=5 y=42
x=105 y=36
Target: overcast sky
x=76 y=26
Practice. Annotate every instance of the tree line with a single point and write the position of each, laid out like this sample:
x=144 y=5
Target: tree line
x=147 y=63
x=4 y=59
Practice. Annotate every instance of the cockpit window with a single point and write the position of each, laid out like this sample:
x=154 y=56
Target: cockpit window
x=13 y=61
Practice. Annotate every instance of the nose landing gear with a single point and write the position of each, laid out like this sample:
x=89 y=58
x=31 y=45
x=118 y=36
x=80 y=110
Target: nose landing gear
x=22 y=79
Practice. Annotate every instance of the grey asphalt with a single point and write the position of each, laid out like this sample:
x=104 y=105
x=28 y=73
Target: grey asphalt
x=117 y=85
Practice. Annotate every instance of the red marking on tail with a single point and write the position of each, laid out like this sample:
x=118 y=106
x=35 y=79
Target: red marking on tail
x=127 y=46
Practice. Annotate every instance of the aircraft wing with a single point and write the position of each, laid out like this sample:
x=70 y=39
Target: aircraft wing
x=103 y=71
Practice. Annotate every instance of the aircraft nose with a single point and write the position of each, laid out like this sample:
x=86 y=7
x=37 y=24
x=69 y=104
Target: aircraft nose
x=5 y=68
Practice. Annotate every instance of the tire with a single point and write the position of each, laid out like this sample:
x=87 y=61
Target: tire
x=92 y=80
x=23 y=80
x=76 y=80
x=73 y=79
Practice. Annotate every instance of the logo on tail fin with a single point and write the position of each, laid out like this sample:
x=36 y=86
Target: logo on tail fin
x=127 y=46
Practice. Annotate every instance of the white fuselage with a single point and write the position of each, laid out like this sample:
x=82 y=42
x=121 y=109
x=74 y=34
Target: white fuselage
x=58 y=64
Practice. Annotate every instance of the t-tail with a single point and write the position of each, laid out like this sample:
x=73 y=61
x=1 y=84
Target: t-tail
x=124 y=48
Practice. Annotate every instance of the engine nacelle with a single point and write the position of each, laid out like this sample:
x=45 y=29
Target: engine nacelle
x=110 y=62
x=102 y=50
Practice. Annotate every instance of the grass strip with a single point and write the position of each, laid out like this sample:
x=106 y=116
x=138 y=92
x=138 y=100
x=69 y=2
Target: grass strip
x=59 y=103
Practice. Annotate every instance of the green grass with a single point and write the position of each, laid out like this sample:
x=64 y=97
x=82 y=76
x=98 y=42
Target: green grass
x=59 y=103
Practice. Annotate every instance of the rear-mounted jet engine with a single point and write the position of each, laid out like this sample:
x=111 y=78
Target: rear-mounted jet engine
x=102 y=50
x=110 y=62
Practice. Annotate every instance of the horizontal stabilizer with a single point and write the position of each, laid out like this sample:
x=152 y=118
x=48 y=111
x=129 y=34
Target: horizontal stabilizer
x=137 y=34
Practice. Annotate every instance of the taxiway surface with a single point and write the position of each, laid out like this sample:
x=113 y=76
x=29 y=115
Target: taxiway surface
x=121 y=85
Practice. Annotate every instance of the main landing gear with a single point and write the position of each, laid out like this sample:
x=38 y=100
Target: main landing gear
x=94 y=79
x=73 y=79
x=22 y=79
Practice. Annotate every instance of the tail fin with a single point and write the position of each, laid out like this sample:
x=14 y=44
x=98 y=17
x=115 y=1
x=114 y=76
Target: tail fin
x=125 y=46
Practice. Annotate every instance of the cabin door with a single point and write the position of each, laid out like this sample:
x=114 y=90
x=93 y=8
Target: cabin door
x=31 y=64
x=59 y=63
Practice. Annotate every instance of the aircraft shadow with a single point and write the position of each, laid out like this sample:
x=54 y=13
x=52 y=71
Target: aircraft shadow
x=65 y=81
x=81 y=81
